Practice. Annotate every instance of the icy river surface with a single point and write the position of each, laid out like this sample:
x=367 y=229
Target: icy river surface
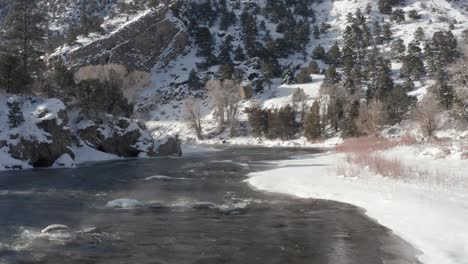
x=195 y=209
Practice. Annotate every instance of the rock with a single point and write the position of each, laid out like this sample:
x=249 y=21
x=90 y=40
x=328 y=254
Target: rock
x=43 y=152
x=54 y=228
x=123 y=137
x=170 y=148
x=154 y=39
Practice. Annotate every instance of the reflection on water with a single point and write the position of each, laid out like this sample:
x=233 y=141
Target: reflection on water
x=190 y=210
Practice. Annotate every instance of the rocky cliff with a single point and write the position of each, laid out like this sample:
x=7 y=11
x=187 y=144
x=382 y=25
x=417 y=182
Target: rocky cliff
x=155 y=38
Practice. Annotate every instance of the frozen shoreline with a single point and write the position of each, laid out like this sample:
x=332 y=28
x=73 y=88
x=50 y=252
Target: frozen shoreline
x=432 y=220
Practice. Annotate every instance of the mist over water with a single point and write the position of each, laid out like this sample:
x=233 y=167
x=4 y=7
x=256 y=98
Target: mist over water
x=195 y=209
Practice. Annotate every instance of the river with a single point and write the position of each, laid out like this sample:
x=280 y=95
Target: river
x=195 y=209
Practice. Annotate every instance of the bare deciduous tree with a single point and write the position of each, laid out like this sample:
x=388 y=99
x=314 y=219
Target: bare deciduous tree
x=371 y=117
x=426 y=114
x=225 y=99
x=299 y=99
x=129 y=82
x=194 y=115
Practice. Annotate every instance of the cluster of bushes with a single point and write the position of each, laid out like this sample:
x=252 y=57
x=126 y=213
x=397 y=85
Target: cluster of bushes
x=273 y=124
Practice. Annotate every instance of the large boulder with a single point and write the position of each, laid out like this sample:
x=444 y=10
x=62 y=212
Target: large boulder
x=154 y=39
x=120 y=136
x=172 y=147
x=42 y=136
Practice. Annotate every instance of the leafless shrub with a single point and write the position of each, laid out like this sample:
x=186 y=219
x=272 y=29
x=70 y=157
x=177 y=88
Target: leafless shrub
x=129 y=82
x=426 y=114
x=366 y=145
x=193 y=111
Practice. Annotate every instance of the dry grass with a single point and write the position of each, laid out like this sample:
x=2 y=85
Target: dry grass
x=372 y=143
x=361 y=155
x=381 y=166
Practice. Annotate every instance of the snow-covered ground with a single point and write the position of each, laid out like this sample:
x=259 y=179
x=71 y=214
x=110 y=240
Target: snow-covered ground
x=433 y=219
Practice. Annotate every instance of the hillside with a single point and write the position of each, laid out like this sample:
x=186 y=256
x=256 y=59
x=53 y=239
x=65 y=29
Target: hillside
x=342 y=55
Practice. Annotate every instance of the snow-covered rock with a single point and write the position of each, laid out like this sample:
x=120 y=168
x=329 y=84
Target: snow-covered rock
x=34 y=131
x=120 y=136
x=124 y=203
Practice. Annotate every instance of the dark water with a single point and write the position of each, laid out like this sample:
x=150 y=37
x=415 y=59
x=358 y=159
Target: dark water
x=208 y=215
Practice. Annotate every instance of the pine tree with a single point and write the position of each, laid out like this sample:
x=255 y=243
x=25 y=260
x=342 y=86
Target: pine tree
x=226 y=71
x=288 y=76
x=12 y=77
x=350 y=128
x=25 y=34
x=239 y=54
x=332 y=77
x=258 y=120
x=396 y=104
x=398 y=16
x=225 y=50
x=387 y=32
x=15 y=114
x=319 y=53
x=194 y=82
x=316 y=31
x=413 y=66
x=250 y=31
x=419 y=35
x=444 y=91
x=303 y=76
x=398 y=49
x=314 y=67
x=312 y=123
x=380 y=79
x=334 y=55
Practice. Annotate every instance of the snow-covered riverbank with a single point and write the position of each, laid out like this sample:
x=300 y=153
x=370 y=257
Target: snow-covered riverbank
x=432 y=219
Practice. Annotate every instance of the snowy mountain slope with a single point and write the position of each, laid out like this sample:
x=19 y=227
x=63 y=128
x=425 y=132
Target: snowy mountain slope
x=170 y=82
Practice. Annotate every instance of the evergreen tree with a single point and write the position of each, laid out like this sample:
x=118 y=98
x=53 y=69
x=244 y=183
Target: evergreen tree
x=303 y=76
x=349 y=126
x=419 y=35
x=319 y=53
x=225 y=50
x=226 y=71
x=398 y=16
x=204 y=41
x=25 y=35
x=316 y=31
x=387 y=32
x=332 y=77
x=376 y=29
x=334 y=55
x=408 y=85
x=413 y=66
x=380 y=79
x=396 y=104
x=444 y=91
x=398 y=49
x=386 y=6
x=313 y=67
x=312 y=123
x=239 y=54
x=12 y=76
x=15 y=114
x=250 y=31
x=288 y=76
x=258 y=120
x=194 y=82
